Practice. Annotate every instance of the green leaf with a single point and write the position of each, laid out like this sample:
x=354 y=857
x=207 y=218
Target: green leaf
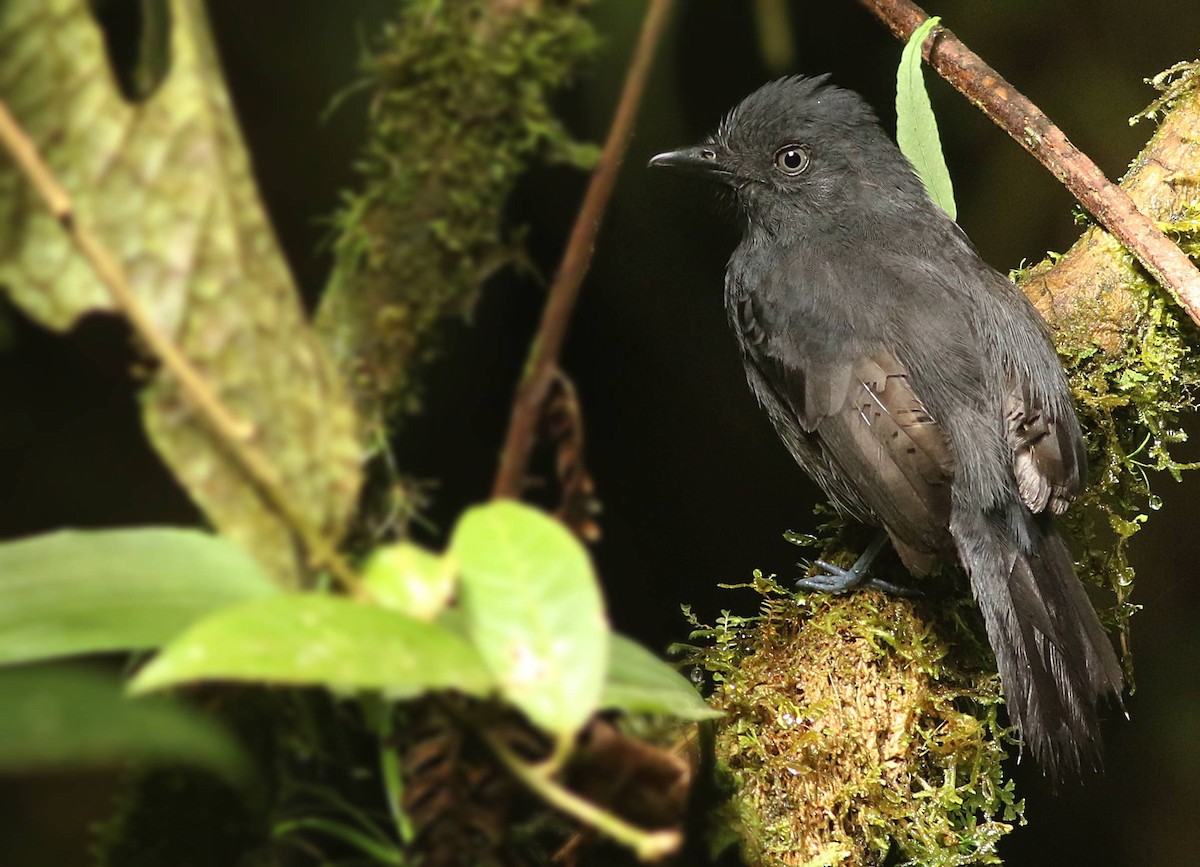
x=916 y=127
x=409 y=579
x=640 y=682
x=166 y=186
x=90 y=592
x=532 y=607
x=56 y=717
x=318 y=640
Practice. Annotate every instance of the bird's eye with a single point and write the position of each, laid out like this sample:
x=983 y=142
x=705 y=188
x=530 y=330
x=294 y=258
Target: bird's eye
x=791 y=159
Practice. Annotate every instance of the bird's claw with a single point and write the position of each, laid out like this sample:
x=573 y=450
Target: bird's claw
x=836 y=580
x=833 y=579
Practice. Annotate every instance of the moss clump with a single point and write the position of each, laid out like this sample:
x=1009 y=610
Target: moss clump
x=459 y=107
x=857 y=725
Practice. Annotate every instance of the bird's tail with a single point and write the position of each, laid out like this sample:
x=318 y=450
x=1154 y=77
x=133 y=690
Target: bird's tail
x=1055 y=661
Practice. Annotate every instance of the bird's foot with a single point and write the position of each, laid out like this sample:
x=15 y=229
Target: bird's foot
x=838 y=580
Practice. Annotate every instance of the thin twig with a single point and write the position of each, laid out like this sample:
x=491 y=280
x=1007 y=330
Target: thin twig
x=1035 y=132
x=648 y=845
x=547 y=345
x=233 y=433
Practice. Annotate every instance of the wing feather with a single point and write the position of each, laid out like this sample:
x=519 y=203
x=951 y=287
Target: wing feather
x=1047 y=455
x=877 y=432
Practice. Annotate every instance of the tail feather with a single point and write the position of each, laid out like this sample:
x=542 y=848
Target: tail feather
x=1055 y=661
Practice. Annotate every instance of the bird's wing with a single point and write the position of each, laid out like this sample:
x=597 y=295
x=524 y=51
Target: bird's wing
x=1048 y=455
x=1049 y=461
x=875 y=430
x=878 y=430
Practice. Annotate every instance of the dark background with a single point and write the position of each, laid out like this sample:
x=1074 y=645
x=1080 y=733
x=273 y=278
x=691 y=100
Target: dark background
x=695 y=487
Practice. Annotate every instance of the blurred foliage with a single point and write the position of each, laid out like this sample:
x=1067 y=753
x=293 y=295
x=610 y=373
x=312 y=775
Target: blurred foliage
x=165 y=184
x=459 y=108
x=60 y=716
x=84 y=592
x=527 y=633
x=313 y=759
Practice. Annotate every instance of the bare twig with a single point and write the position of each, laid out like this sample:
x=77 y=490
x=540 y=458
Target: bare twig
x=232 y=432
x=1035 y=132
x=563 y=426
x=547 y=345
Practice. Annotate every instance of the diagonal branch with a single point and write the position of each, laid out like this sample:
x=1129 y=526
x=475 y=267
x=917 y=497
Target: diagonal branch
x=564 y=291
x=233 y=433
x=1035 y=132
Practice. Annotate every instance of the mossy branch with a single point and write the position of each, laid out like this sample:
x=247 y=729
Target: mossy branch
x=1131 y=356
x=459 y=108
x=1029 y=126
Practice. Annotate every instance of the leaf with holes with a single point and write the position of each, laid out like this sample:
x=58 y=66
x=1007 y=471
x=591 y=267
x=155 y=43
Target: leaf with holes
x=166 y=186
x=532 y=606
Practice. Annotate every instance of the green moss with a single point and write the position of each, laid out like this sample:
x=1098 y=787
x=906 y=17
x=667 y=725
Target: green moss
x=1131 y=387
x=858 y=726
x=1174 y=84
x=459 y=108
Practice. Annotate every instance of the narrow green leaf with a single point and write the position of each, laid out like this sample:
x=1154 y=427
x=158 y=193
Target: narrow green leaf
x=531 y=604
x=916 y=127
x=318 y=640
x=409 y=579
x=55 y=717
x=640 y=682
x=77 y=592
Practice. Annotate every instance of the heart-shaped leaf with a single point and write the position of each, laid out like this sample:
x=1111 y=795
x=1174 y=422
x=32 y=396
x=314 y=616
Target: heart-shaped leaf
x=532 y=607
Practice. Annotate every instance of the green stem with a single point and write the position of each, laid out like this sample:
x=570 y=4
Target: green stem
x=647 y=845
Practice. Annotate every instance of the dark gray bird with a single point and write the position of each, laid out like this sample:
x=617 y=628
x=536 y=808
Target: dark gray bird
x=915 y=384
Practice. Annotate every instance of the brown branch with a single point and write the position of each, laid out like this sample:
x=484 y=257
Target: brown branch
x=564 y=291
x=1035 y=132
x=233 y=433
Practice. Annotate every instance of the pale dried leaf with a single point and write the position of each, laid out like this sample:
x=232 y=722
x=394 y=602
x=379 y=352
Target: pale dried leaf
x=166 y=185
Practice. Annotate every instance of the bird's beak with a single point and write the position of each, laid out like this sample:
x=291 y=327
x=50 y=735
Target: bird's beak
x=701 y=158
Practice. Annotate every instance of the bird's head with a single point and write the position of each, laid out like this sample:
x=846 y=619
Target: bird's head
x=797 y=147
